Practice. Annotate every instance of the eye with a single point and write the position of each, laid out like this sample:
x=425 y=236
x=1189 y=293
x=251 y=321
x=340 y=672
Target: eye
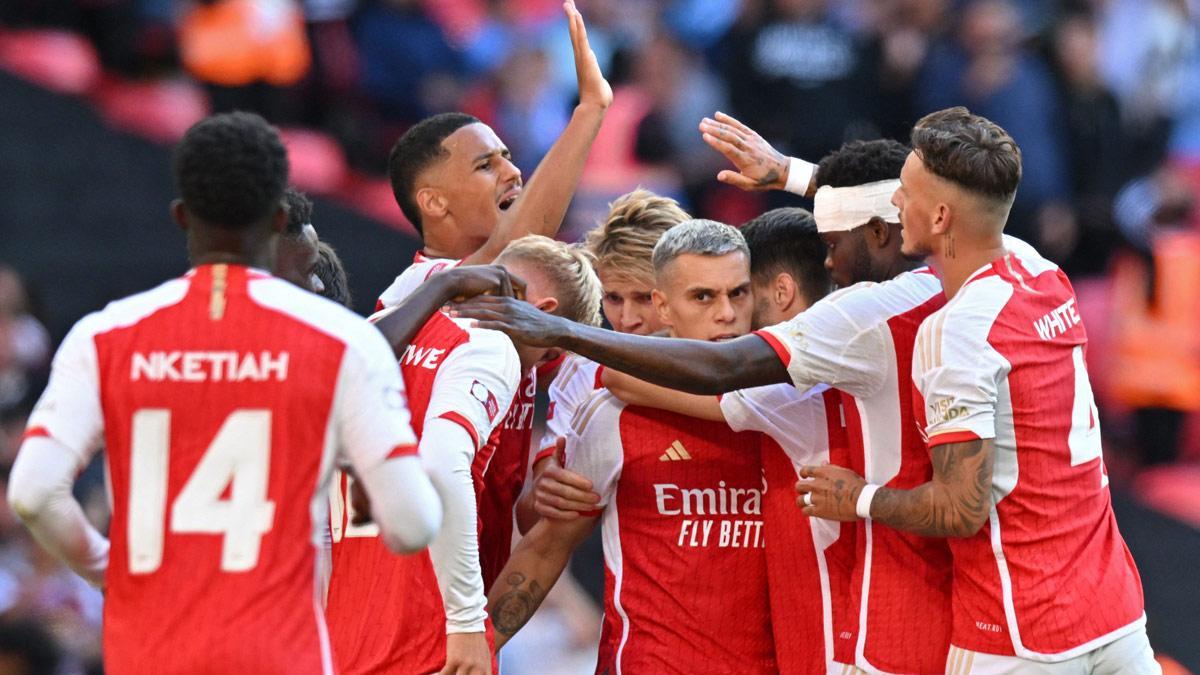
x=612 y=298
x=643 y=298
x=737 y=293
x=704 y=296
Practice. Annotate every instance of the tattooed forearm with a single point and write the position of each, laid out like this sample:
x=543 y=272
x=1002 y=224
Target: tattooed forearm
x=956 y=503
x=514 y=608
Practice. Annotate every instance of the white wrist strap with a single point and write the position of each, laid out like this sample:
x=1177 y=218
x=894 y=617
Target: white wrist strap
x=863 y=507
x=800 y=174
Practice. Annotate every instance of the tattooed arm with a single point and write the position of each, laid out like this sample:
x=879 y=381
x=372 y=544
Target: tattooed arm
x=534 y=566
x=955 y=503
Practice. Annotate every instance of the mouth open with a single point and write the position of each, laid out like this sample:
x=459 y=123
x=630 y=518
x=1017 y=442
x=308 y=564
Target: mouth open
x=508 y=199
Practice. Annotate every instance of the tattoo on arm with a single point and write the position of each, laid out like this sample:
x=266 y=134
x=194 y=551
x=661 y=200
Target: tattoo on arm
x=956 y=503
x=512 y=610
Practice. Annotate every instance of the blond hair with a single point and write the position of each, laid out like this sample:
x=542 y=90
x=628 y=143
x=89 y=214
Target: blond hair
x=568 y=269
x=623 y=243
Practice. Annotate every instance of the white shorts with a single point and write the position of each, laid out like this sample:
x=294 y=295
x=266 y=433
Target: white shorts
x=1128 y=655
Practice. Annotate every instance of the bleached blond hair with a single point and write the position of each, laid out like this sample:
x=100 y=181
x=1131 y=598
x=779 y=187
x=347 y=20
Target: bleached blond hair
x=568 y=268
x=622 y=244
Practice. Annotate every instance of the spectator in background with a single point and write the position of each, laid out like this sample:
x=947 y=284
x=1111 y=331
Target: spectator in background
x=409 y=70
x=246 y=53
x=27 y=649
x=901 y=34
x=1095 y=145
x=24 y=342
x=798 y=77
x=989 y=71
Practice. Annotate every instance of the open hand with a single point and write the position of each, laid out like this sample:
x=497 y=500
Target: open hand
x=759 y=166
x=593 y=88
x=467 y=282
x=829 y=492
x=518 y=319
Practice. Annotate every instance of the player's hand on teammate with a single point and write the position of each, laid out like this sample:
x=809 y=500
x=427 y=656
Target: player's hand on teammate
x=467 y=654
x=517 y=319
x=561 y=494
x=829 y=492
x=759 y=166
x=594 y=90
x=462 y=283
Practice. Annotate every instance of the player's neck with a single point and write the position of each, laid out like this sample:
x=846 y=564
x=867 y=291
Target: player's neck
x=957 y=261
x=443 y=240
x=211 y=246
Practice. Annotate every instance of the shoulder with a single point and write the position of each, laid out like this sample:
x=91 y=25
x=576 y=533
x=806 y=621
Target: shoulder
x=134 y=308
x=963 y=327
x=318 y=314
x=412 y=277
x=599 y=414
x=576 y=372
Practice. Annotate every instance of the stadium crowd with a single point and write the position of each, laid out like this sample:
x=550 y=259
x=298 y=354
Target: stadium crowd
x=1101 y=98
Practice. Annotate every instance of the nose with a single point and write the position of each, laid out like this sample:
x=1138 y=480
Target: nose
x=724 y=312
x=828 y=261
x=510 y=173
x=896 y=198
x=630 y=318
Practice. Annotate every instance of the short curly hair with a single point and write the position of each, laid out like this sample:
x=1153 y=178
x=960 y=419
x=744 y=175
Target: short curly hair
x=862 y=162
x=416 y=150
x=231 y=169
x=299 y=208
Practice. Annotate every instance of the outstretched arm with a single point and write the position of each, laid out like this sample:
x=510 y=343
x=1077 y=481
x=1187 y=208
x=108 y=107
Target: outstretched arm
x=693 y=366
x=633 y=391
x=543 y=203
x=759 y=166
x=955 y=503
x=400 y=324
x=531 y=572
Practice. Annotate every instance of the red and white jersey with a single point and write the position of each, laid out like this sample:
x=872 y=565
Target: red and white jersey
x=221 y=397
x=681 y=523
x=860 y=340
x=504 y=479
x=1048 y=577
x=572 y=386
x=413 y=276
x=386 y=612
x=803 y=580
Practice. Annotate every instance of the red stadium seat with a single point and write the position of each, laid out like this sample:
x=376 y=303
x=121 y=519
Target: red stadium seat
x=1172 y=490
x=160 y=110
x=58 y=60
x=318 y=163
x=373 y=198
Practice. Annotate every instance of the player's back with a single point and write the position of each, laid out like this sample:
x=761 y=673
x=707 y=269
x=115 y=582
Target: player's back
x=1049 y=574
x=686 y=584
x=217 y=392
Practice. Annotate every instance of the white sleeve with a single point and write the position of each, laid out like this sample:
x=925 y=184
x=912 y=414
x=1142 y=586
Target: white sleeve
x=69 y=409
x=370 y=406
x=594 y=448
x=795 y=420
x=373 y=429
x=411 y=278
x=958 y=374
x=39 y=492
x=476 y=383
x=570 y=388
x=837 y=342
x=447 y=450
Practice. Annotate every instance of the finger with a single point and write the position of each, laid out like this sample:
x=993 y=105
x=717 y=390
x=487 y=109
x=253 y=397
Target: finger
x=547 y=511
x=506 y=286
x=565 y=497
x=805 y=486
x=563 y=476
x=734 y=122
x=518 y=285
x=731 y=152
x=807 y=470
x=560 y=450
x=554 y=501
x=737 y=180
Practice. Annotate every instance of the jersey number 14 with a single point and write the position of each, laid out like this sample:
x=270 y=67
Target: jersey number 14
x=238 y=458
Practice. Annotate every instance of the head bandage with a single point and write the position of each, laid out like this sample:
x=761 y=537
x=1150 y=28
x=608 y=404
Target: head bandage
x=845 y=208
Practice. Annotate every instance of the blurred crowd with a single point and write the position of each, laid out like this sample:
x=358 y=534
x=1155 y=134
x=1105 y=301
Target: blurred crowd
x=1103 y=97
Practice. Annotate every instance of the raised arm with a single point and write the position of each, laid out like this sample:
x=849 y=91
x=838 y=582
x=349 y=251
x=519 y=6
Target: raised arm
x=955 y=503
x=687 y=365
x=531 y=572
x=759 y=166
x=543 y=203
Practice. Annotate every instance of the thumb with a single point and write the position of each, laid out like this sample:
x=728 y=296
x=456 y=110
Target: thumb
x=737 y=180
x=560 y=451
